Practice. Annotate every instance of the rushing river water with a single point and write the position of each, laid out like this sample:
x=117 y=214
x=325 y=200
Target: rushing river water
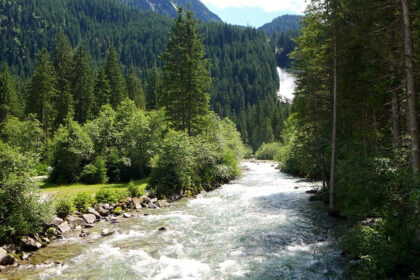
x=261 y=226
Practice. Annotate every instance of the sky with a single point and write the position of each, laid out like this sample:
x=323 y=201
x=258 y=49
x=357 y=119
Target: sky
x=253 y=12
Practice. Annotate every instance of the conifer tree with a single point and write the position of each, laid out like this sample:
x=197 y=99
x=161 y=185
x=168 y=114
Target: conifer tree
x=9 y=101
x=82 y=86
x=153 y=88
x=102 y=91
x=115 y=77
x=186 y=76
x=63 y=63
x=42 y=93
x=135 y=90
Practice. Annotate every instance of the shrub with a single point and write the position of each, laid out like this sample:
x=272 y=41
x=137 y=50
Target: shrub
x=118 y=211
x=121 y=195
x=268 y=151
x=64 y=208
x=106 y=196
x=95 y=172
x=82 y=201
x=134 y=190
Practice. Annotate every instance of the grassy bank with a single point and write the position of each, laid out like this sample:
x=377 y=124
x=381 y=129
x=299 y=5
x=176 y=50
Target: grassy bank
x=70 y=191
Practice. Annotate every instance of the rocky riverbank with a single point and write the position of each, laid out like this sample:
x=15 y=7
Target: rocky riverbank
x=79 y=223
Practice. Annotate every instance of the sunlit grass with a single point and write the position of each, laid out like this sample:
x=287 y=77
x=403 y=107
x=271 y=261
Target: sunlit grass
x=70 y=191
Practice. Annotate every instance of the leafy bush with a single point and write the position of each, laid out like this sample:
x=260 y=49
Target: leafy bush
x=23 y=212
x=118 y=211
x=106 y=196
x=268 y=151
x=121 y=195
x=134 y=190
x=95 y=172
x=64 y=207
x=82 y=201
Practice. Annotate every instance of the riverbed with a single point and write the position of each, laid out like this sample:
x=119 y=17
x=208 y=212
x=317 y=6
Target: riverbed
x=260 y=226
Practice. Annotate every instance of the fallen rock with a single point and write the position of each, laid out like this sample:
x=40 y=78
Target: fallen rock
x=64 y=227
x=75 y=221
x=162 y=203
x=30 y=244
x=94 y=212
x=89 y=218
x=5 y=258
x=126 y=215
x=56 y=221
x=163 y=229
x=107 y=232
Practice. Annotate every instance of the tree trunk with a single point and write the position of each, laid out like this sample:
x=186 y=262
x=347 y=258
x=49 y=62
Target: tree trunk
x=411 y=94
x=396 y=129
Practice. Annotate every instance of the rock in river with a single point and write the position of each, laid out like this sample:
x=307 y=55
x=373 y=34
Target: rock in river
x=107 y=232
x=30 y=244
x=64 y=227
x=89 y=218
x=5 y=258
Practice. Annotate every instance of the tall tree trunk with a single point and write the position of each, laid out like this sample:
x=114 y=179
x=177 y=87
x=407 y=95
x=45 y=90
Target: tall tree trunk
x=411 y=94
x=396 y=129
x=334 y=133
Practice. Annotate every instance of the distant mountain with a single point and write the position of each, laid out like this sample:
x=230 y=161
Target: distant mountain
x=282 y=24
x=169 y=7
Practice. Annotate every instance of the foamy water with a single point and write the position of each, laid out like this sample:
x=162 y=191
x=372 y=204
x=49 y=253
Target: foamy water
x=261 y=226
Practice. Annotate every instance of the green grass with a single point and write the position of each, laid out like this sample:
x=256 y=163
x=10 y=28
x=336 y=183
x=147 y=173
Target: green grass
x=70 y=191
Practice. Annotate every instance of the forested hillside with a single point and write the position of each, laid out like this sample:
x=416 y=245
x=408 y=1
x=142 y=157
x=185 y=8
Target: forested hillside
x=282 y=24
x=243 y=65
x=169 y=7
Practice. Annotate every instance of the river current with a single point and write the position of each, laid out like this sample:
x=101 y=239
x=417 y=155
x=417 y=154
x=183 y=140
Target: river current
x=261 y=226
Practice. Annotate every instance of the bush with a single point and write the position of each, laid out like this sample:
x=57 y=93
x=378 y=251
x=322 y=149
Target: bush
x=134 y=190
x=121 y=195
x=106 y=196
x=118 y=211
x=268 y=151
x=64 y=208
x=95 y=172
x=82 y=201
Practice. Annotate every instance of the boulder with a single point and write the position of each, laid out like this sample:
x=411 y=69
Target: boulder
x=138 y=206
x=30 y=244
x=56 y=221
x=162 y=203
x=137 y=200
x=5 y=258
x=94 y=212
x=145 y=199
x=11 y=248
x=152 y=205
x=126 y=215
x=64 y=227
x=107 y=232
x=78 y=228
x=75 y=221
x=153 y=200
x=25 y=256
x=103 y=212
x=2 y=268
x=163 y=229
x=46 y=240
x=89 y=218
x=89 y=226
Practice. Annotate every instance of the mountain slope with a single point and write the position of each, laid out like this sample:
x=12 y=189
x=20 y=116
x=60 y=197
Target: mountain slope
x=282 y=24
x=169 y=7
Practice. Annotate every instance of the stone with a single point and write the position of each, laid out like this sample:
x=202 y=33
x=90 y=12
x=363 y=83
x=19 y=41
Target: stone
x=314 y=191
x=162 y=203
x=89 y=218
x=138 y=206
x=78 y=228
x=82 y=234
x=126 y=215
x=11 y=248
x=152 y=205
x=89 y=226
x=103 y=212
x=94 y=212
x=145 y=199
x=106 y=206
x=25 y=256
x=46 y=240
x=153 y=200
x=163 y=229
x=107 y=232
x=30 y=244
x=75 y=221
x=5 y=258
x=56 y=221
x=2 y=268
x=114 y=221
x=64 y=227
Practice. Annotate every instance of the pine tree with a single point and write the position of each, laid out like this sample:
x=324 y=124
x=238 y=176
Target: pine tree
x=153 y=88
x=115 y=77
x=63 y=63
x=42 y=93
x=102 y=91
x=9 y=100
x=135 y=90
x=186 y=76
x=82 y=86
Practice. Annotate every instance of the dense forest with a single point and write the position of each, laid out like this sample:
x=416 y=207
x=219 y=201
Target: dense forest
x=243 y=66
x=354 y=126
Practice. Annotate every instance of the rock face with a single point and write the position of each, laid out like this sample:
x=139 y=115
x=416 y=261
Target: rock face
x=64 y=227
x=5 y=258
x=89 y=218
x=30 y=244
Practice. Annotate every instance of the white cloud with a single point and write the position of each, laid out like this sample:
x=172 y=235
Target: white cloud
x=297 y=6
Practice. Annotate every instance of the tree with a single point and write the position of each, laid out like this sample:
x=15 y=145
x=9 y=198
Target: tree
x=42 y=93
x=153 y=88
x=115 y=77
x=9 y=100
x=186 y=75
x=82 y=86
x=102 y=91
x=135 y=90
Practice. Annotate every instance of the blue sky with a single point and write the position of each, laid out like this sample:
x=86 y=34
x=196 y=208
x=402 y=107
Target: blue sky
x=253 y=12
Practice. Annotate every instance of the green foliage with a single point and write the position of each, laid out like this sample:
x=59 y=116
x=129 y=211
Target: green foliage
x=9 y=99
x=106 y=196
x=135 y=90
x=64 y=207
x=23 y=212
x=95 y=172
x=134 y=190
x=82 y=201
x=117 y=211
x=268 y=151
x=115 y=77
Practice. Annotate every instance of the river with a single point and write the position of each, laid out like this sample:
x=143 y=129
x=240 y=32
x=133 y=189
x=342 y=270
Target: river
x=261 y=226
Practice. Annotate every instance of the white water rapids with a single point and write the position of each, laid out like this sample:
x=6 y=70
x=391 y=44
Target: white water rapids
x=261 y=226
